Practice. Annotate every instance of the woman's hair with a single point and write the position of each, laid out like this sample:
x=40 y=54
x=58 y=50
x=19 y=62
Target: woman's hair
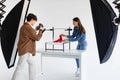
x=82 y=30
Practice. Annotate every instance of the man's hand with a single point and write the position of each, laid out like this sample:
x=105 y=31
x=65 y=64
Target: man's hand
x=40 y=26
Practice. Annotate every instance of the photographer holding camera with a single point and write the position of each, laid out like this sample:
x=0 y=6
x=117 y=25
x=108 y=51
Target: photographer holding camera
x=27 y=48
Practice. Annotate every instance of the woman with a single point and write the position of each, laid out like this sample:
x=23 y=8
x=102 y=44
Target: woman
x=79 y=34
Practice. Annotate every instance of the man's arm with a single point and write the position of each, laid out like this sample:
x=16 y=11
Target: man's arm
x=33 y=35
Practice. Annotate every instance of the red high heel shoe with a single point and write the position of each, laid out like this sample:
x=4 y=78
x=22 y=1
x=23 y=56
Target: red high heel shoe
x=60 y=39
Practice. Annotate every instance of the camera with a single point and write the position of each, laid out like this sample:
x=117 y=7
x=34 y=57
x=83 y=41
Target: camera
x=39 y=26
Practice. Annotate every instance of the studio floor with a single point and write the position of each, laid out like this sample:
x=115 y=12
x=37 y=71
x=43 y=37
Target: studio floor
x=55 y=68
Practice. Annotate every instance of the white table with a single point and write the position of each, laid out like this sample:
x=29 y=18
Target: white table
x=63 y=54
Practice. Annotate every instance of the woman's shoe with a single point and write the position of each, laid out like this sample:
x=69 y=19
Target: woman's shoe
x=60 y=39
x=77 y=73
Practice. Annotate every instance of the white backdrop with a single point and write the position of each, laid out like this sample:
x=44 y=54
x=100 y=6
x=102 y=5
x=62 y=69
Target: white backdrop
x=59 y=13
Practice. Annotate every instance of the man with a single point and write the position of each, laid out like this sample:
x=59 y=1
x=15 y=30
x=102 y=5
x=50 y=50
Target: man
x=27 y=49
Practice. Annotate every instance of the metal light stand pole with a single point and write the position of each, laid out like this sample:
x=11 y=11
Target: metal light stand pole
x=53 y=34
x=69 y=30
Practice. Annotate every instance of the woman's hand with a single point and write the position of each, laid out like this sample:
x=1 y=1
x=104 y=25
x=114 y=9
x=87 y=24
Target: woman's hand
x=65 y=40
x=63 y=35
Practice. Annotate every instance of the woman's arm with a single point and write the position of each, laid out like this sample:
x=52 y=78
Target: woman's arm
x=63 y=35
x=79 y=37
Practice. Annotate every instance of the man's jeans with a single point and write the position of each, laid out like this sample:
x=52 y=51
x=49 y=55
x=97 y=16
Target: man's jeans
x=21 y=67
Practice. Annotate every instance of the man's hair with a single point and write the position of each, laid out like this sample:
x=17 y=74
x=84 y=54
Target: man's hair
x=31 y=16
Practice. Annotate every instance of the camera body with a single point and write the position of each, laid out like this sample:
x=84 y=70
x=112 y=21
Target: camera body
x=39 y=26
